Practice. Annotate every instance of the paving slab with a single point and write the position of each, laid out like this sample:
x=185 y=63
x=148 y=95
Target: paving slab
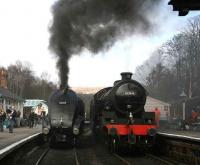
x=18 y=134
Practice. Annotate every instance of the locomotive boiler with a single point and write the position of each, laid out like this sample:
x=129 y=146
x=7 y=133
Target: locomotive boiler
x=66 y=116
x=118 y=116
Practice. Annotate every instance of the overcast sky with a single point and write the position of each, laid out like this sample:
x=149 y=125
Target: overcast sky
x=24 y=36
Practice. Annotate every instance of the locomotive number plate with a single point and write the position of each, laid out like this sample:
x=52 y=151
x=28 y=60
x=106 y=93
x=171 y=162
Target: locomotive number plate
x=130 y=93
x=63 y=102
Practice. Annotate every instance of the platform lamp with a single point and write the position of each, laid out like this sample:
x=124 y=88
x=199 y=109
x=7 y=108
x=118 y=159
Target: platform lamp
x=183 y=96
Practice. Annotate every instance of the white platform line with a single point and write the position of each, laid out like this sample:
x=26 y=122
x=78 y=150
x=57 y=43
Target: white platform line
x=179 y=136
x=11 y=147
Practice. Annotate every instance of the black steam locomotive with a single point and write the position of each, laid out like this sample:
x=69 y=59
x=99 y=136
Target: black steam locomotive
x=118 y=116
x=66 y=116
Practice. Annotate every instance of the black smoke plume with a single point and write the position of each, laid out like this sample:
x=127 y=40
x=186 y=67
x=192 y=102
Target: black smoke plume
x=95 y=25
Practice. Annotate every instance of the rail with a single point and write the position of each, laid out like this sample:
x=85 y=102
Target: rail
x=42 y=156
x=124 y=161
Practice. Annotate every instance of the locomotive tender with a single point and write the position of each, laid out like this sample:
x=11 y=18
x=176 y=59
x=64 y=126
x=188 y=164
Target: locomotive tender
x=66 y=116
x=117 y=114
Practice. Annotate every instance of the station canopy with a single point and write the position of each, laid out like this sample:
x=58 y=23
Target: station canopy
x=33 y=104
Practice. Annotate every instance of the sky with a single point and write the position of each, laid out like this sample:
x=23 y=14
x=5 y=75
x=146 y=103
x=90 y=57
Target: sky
x=24 y=36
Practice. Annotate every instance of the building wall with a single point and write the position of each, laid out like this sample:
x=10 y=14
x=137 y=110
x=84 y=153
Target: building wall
x=4 y=101
x=3 y=78
x=152 y=103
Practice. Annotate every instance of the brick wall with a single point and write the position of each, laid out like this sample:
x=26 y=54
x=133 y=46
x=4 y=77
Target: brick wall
x=3 y=78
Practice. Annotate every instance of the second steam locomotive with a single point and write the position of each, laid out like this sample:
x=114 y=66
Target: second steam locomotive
x=117 y=115
x=66 y=115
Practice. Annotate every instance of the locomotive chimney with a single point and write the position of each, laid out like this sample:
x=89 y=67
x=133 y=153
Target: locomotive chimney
x=64 y=88
x=126 y=75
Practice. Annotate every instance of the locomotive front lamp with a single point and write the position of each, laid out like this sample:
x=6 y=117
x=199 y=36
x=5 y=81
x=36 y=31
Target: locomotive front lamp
x=75 y=131
x=45 y=131
x=130 y=115
x=107 y=107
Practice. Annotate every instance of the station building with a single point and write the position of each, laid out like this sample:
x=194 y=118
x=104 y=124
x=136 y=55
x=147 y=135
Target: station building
x=32 y=104
x=152 y=103
x=7 y=98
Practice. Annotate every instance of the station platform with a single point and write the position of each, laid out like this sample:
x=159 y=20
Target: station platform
x=18 y=134
x=181 y=133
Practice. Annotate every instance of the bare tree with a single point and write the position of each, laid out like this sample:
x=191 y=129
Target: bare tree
x=178 y=67
x=22 y=82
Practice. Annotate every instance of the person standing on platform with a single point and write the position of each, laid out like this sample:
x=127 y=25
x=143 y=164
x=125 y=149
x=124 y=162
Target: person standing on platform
x=157 y=116
x=44 y=120
x=11 y=118
x=38 y=111
x=31 y=119
x=35 y=119
x=18 y=114
x=2 y=119
x=194 y=116
x=14 y=115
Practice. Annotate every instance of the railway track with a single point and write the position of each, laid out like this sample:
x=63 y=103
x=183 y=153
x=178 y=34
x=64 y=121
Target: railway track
x=76 y=157
x=96 y=156
x=42 y=156
x=55 y=157
x=124 y=161
x=130 y=158
x=161 y=160
x=147 y=159
x=88 y=154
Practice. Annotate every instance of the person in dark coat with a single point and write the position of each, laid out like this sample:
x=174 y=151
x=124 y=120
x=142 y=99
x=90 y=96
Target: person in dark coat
x=14 y=115
x=11 y=118
x=8 y=110
x=2 y=119
x=44 y=119
x=31 y=119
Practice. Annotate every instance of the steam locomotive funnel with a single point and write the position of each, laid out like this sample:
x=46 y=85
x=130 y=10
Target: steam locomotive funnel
x=64 y=88
x=126 y=75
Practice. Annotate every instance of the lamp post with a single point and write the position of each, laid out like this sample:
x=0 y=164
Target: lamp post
x=183 y=95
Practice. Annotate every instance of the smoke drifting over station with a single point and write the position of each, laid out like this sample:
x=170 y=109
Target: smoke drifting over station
x=95 y=25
